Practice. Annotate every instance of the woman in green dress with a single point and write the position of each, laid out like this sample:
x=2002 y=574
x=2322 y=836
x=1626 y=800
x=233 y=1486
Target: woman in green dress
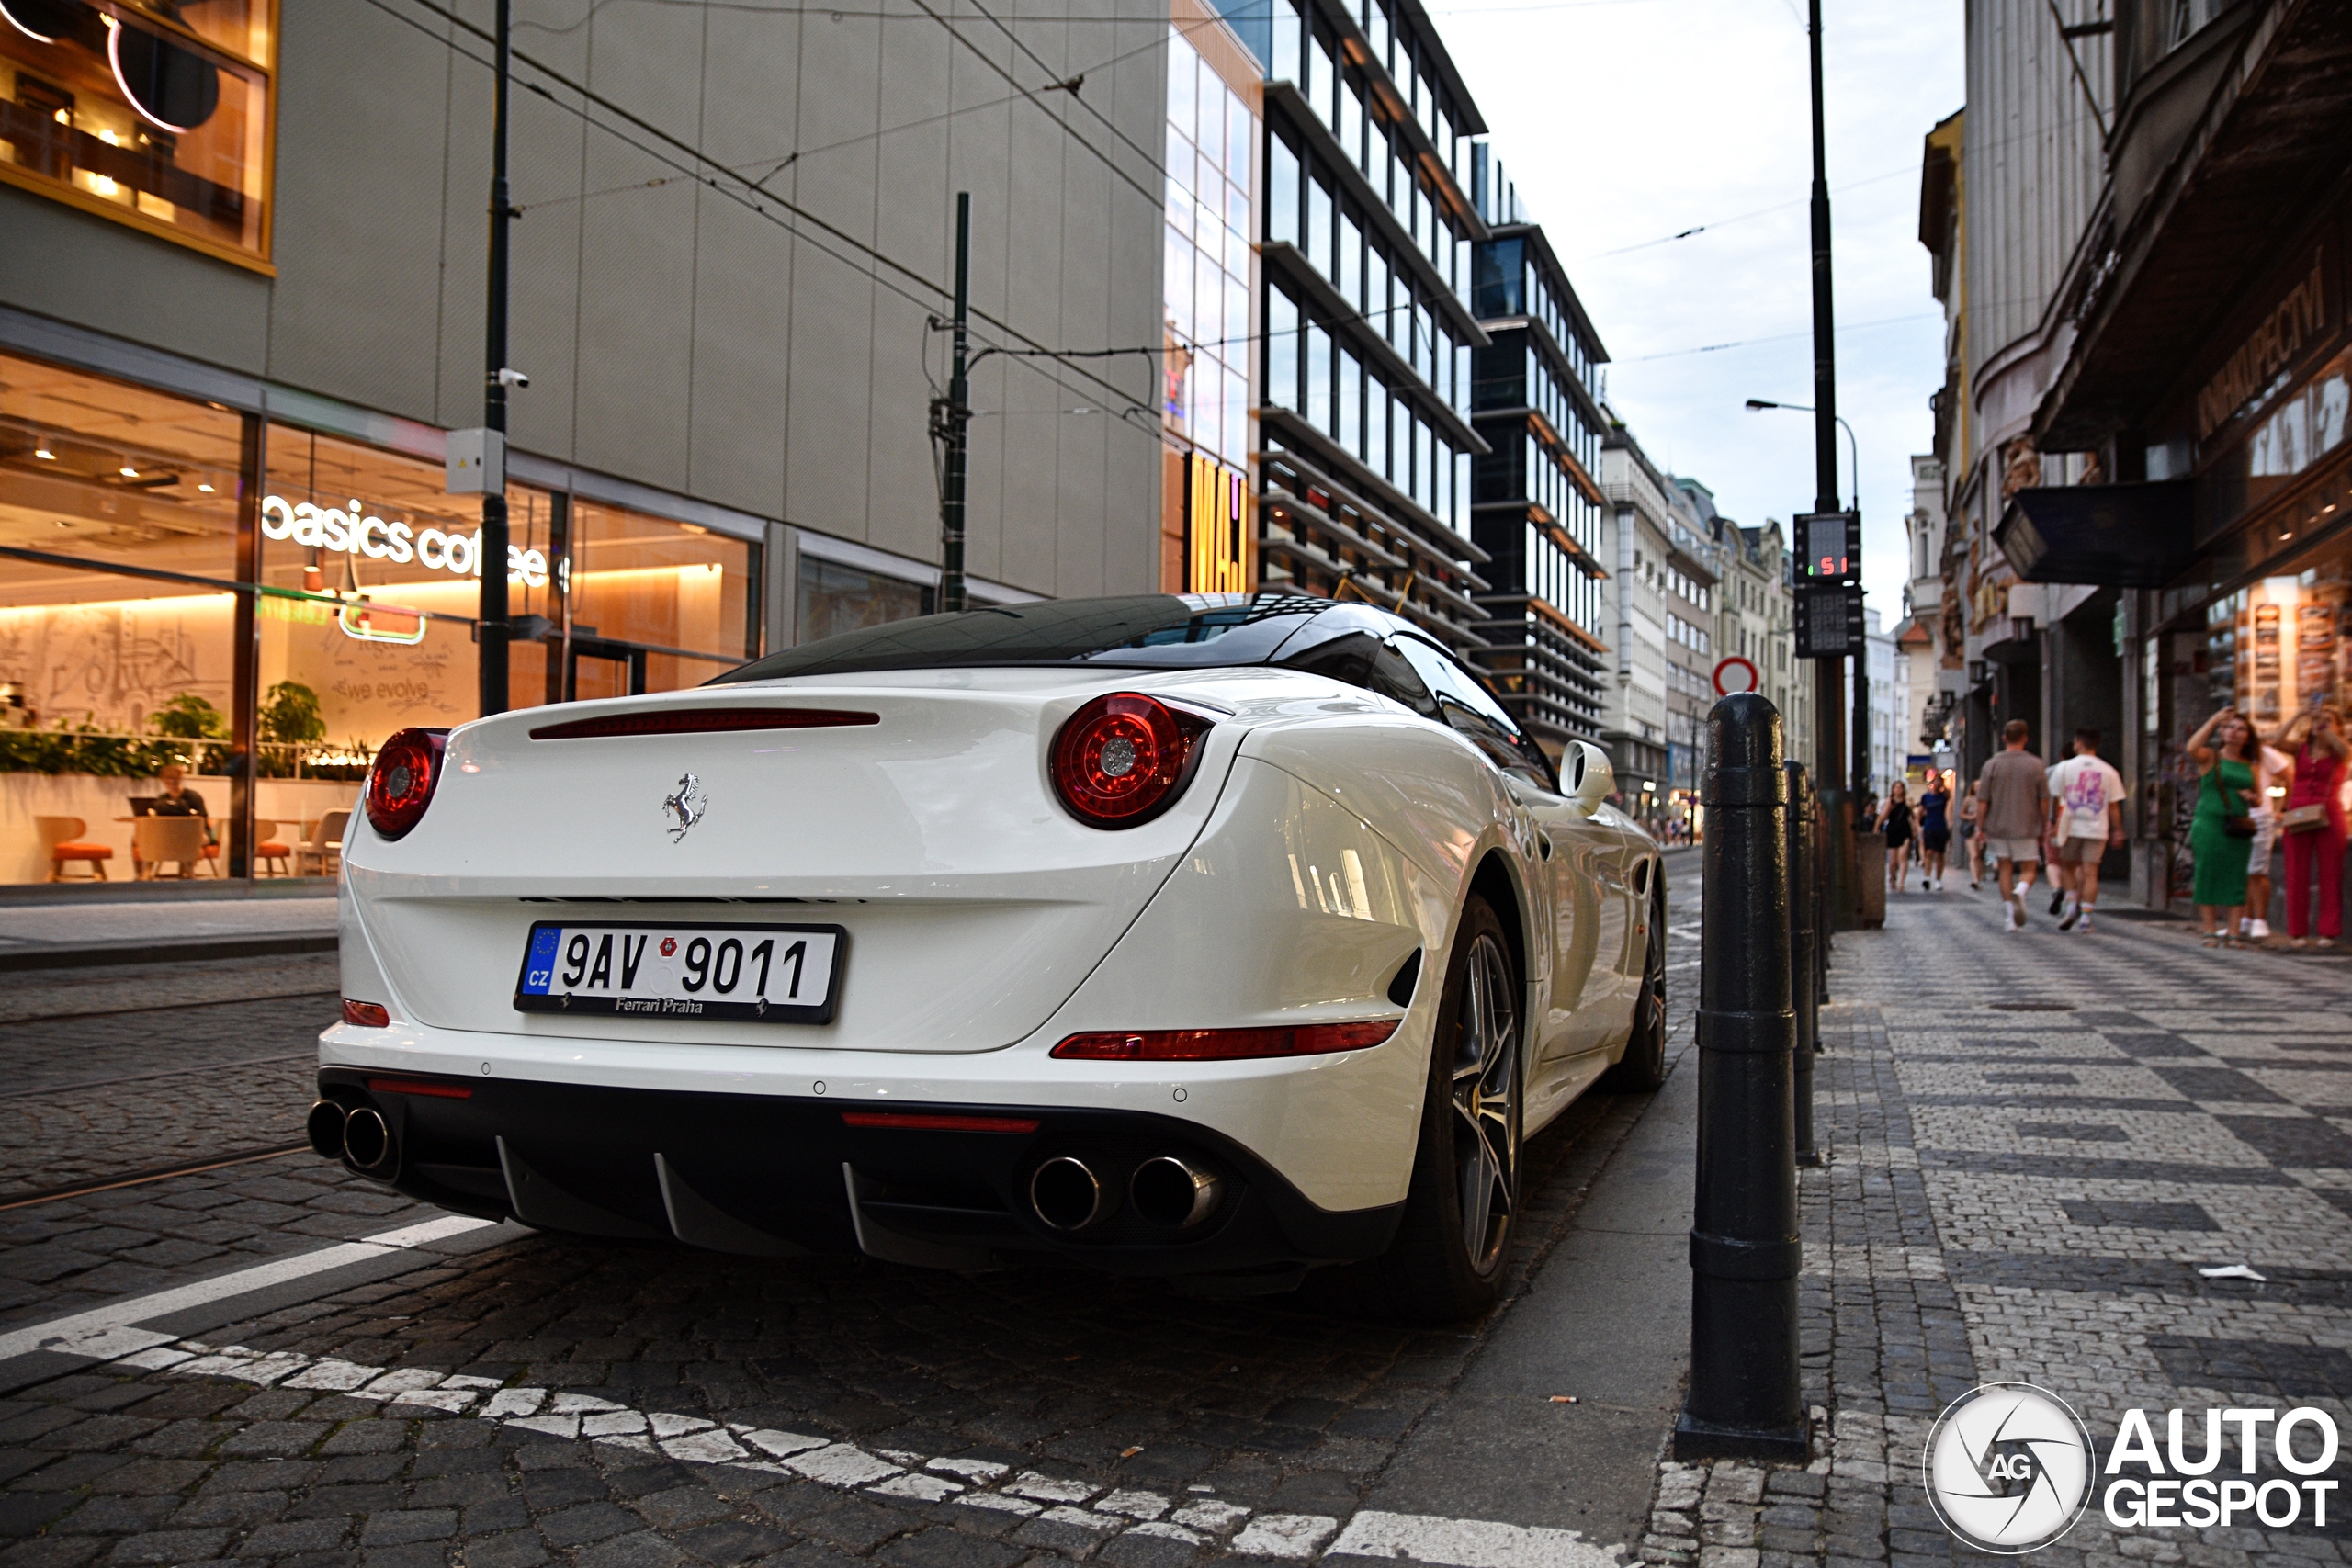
x=2224 y=792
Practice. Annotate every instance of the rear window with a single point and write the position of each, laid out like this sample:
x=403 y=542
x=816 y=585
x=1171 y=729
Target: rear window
x=1145 y=631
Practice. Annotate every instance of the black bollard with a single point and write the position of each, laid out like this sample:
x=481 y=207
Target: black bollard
x=1801 y=961
x=1745 y=1401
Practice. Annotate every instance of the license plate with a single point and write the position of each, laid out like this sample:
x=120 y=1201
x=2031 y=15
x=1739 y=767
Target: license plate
x=764 y=974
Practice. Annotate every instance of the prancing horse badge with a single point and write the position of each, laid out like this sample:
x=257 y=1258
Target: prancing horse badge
x=688 y=805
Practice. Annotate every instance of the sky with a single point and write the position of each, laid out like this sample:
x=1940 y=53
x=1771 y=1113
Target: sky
x=1623 y=122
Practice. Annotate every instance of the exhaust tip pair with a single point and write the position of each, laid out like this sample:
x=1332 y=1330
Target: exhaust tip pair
x=361 y=1139
x=1168 y=1191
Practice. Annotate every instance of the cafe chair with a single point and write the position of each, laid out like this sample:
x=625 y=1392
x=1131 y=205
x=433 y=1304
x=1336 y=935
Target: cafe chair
x=267 y=847
x=326 y=844
x=63 y=844
x=179 y=840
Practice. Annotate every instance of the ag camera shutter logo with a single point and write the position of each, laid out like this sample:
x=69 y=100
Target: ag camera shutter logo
x=2008 y=1468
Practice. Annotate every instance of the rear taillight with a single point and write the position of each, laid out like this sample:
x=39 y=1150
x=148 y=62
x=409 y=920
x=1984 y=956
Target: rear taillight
x=1224 y=1045
x=1122 y=759
x=366 y=1015
x=400 y=786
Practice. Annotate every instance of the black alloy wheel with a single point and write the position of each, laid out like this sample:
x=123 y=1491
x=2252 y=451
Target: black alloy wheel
x=1641 y=1069
x=1448 y=1260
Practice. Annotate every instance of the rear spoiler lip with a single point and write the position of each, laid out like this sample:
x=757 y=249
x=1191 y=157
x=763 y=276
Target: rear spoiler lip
x=701 y=721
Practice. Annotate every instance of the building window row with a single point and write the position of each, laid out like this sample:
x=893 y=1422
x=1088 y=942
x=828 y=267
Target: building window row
x=1303 y=211
x=1311 y=371
x=1694 y=637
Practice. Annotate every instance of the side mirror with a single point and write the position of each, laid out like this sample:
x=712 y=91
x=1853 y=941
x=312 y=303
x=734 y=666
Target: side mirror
x=1588 y=774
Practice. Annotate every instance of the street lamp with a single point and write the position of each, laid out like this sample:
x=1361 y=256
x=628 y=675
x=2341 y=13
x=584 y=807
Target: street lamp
x=1853 y=453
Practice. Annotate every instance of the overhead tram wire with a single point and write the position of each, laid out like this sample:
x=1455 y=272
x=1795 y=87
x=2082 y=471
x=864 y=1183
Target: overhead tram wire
x=820 y=9
x=698 y=161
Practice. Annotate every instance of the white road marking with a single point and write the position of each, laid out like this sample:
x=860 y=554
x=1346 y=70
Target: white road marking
x=103 y=1333
x=619 y=1431
x=1467 y=1543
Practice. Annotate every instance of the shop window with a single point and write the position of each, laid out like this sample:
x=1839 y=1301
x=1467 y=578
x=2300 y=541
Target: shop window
x=103 y=472
x=836 y=599
x=371 y=581
x=676 y=593
x=156 y=115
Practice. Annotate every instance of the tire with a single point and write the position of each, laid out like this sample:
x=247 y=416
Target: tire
x=1454 y=1242
x=1641 y=1069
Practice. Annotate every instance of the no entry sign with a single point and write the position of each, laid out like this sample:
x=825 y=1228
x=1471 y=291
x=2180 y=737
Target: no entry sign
x=1735 y=674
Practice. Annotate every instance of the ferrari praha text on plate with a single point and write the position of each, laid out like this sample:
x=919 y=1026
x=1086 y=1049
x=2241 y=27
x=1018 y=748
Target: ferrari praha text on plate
x=772 y=974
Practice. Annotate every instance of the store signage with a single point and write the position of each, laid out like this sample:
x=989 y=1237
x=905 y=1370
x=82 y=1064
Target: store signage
x=359 y=533
x=2268 y=349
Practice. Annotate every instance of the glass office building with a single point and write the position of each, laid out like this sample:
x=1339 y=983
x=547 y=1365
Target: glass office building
x=1536 y=502
x=1364 y=433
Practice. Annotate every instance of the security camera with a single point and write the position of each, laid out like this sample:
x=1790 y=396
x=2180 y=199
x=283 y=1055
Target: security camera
x=511 y=377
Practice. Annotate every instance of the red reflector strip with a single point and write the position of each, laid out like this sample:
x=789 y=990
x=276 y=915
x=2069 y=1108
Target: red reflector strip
x=1225 y=1044
x=916 y=1121
x=367 y=1015
x=418 y=1086
x=702 y=721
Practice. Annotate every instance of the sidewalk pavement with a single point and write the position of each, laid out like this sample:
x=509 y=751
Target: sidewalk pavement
x=2036 y=1140
x=157 y=930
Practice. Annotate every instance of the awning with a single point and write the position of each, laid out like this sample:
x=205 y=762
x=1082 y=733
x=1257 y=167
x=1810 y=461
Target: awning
x=2132 y=535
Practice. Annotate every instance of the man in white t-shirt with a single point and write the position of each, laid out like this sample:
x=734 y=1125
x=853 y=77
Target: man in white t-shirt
x=2085 y=816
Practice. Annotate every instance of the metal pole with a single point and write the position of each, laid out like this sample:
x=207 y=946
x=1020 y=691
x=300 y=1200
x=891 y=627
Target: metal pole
x=1828 y=675
x=959 y=416
x=490 y=554
x=1745 y=1399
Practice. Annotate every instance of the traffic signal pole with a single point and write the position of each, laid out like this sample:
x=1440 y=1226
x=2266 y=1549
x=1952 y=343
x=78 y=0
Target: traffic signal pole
x=1830 y=674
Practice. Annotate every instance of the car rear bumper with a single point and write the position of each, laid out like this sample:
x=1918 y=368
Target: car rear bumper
x=775 y=1174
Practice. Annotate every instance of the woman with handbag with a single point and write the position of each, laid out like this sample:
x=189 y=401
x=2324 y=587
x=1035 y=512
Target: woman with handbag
x=2221 y=835
x=2313 y=822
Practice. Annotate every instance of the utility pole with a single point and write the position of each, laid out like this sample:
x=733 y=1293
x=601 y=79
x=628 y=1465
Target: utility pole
x=958 y=416
x=490 y=558
x=1829 y=682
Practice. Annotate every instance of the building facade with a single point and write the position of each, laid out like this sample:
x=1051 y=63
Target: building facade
x=242 y=307
x=1662 y=528
x=1536 y=504
x=1365 y=441
x=2168 y=530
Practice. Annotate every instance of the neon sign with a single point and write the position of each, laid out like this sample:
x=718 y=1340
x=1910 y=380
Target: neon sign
x=357 y=532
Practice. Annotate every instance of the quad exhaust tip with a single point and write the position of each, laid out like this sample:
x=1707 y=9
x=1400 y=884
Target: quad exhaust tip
x=1067 y=1194
x=325 y=1126
x=367 y=1140
x=1172 y=1192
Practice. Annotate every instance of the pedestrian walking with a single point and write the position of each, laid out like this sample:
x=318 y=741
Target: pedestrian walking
x=1972 y=834
x=2015 y=786
x=1895 y=822
x=1935 y=830
x=2313 y=822
x=2272 y=770
x=2222 y=833
x=2085 y=816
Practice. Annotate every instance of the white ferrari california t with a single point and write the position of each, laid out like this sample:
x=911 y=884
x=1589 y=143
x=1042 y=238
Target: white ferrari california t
x=1215 y=937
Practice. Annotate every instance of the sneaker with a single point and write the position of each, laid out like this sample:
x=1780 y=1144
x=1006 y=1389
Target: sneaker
x=2017 y=915
x=2259 y=931
x=2057 y=899
x=2074 y=914
x=2325 y=942
x=2085 y=926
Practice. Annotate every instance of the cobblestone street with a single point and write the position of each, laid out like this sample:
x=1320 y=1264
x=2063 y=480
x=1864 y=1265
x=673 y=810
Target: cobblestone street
x=2036 y=1142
